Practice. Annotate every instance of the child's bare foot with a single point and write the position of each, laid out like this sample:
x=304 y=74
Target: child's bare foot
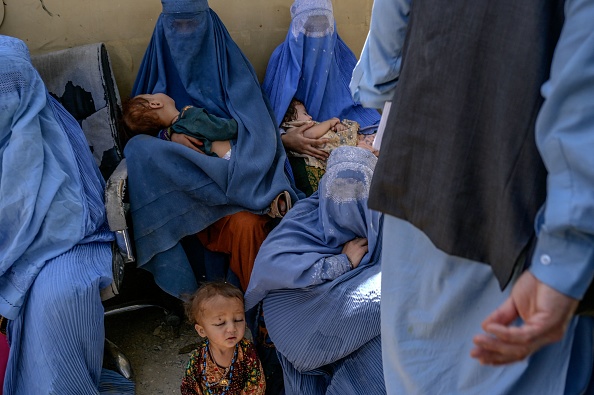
x=363 y=144
x=280 y=205
x=368 y=138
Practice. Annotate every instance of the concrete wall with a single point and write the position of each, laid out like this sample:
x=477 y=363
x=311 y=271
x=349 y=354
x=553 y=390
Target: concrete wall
x=257 y=26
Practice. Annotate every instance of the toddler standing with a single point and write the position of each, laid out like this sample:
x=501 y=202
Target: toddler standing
x=226 y=362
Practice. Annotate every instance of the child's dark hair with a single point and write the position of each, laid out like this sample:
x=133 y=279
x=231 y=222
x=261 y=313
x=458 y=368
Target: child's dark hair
x=139 y=118
x=193 y=307
x=291 y=114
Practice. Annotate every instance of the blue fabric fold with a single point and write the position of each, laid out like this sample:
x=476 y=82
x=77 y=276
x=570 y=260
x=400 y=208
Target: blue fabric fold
x=113 y=383
x=51 y=193
x=314 y=322
x=177 y=192
x=314 y=65
x=55 y=250
x=359 y=373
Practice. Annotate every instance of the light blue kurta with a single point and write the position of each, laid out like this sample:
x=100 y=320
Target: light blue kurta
x=432 y=306
x=376 y=74
x=432 y=303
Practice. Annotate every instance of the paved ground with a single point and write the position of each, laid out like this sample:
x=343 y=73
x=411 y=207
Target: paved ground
x=157 y=351
x=157 y=346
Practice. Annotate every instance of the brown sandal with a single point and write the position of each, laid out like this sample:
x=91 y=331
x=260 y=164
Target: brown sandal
x=275 y=207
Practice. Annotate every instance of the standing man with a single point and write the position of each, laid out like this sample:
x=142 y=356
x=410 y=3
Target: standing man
x=492 y=120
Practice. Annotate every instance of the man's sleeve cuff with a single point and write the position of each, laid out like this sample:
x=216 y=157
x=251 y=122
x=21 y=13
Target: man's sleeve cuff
x=565 y=263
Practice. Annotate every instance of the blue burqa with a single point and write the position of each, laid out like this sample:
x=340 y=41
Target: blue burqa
x=314 y=65
x=46 y=204
x=55 y=250
x=174 y=191
x=322 y=316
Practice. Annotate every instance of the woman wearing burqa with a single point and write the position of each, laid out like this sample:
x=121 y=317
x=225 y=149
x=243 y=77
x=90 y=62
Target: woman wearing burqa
x=176 y=191
x=55 y=245
x=323 y=316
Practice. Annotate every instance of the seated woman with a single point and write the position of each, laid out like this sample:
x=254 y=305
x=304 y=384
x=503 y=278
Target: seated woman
x=318 y=275
x=176 y=192
x=55 y=248
x=314 y=66
x=156 y=115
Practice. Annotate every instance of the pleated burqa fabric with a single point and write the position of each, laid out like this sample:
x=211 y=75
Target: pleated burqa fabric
x=55 y=250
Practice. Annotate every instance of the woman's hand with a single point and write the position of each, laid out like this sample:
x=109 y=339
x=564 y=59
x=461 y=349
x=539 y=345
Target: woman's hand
x=294 y=140
x=355 y=250
x=188 y=141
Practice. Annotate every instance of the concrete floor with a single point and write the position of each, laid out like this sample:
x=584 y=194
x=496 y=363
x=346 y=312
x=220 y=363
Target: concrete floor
x=157 y=344
x=158 y=351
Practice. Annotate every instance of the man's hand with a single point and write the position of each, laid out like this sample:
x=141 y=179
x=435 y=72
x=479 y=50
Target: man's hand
x=545 y=312
x=188 y=141
x=355 y=250
x=294 y=140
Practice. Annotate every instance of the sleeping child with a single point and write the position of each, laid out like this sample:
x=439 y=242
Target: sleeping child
x=336 y=133
x=307 y=169
x=157 y=116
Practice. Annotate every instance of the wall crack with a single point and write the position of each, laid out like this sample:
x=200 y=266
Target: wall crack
x=45 y=9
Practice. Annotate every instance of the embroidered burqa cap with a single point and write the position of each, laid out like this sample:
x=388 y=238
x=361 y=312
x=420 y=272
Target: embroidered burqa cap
x=314 y=65
x=184 y=6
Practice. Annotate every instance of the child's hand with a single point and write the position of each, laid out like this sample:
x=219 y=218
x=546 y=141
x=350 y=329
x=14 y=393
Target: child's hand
x=188 y=141
x=339 y=127
x=355 y=250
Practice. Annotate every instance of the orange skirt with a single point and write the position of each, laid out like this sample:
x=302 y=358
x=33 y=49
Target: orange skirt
x=240 y=235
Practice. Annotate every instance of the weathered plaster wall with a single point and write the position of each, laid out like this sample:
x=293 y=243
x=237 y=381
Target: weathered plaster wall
x=257 y=26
